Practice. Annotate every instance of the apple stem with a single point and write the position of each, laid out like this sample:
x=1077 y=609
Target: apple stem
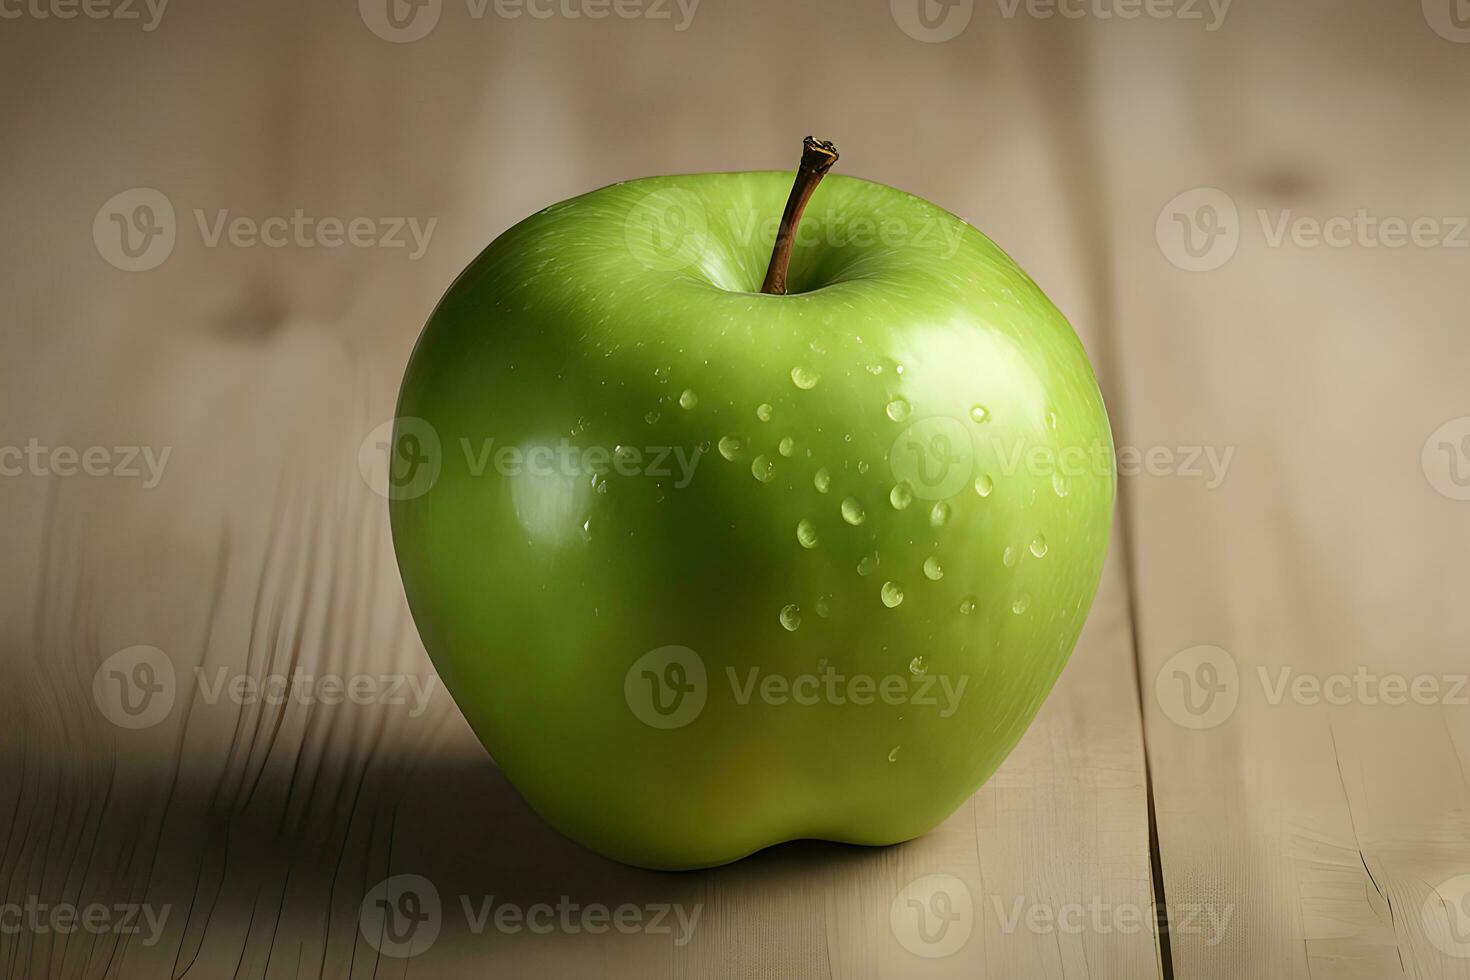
x=817 y=158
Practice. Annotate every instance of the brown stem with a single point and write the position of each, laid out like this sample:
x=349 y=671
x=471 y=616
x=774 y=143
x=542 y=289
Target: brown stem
x=817 y=158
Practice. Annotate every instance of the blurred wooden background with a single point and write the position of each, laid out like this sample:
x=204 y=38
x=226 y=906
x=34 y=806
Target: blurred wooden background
x=1287 y=836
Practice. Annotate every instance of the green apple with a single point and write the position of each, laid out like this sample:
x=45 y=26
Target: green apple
x=708 y=568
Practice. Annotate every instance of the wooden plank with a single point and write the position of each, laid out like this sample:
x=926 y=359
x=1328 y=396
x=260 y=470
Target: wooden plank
x=1322 y=830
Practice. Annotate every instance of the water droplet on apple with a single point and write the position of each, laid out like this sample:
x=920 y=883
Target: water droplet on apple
x=806 y=533
x=650 y=417
x=763 y=411
x=587 y=529
x=822 y=481
x=893 y=753
x=901 y=496
x=787 y=446
x=891 y=593
x=703 y=446
x=852 y=511
x=1022 y=601
x=875 y=369
x=1008 y=557
x=662 y=374
x=862 y=467
x=917 y=666
x=730 y=447
x=932 y=569
x=688 y=399
x=1051 y=420
x=762 y=468
x=1059 y=485
x=1038 y=546
x=980 y=414
x=939 y=514
x=967 y=606
x=984 y=485
x=898 y=410
x=824 y=606
x=867 y=565
x=791 y=617
x=804 y=377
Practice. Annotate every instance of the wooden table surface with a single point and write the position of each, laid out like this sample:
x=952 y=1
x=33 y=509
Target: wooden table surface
x=1263 y=731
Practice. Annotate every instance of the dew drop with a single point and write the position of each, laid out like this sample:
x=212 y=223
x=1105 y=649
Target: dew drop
x=891 y=593
x=650 y=417
x=822 y=481
x=824 y=606
x=852 y=511
x=862 y=466
x=688 y=399
x=762 y=468
x=763 y=411
x=967 y=606
x=804 y=377
x=1008 y=557
x=1022 y=601
x=984 y=485
x=932 y=569
x=662 y=374
x=980 y=414
x=787 y=446
x=939 y=515
x=1059 y=485
x=893 y=753
x=806 y=533
x=791 y=617
x=1039 y=546
x=1051 y=420
x=898 y=410
x=875 y=369
x=867 y=565
x=917 y=666
x=901 y=496
x=730 y=447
